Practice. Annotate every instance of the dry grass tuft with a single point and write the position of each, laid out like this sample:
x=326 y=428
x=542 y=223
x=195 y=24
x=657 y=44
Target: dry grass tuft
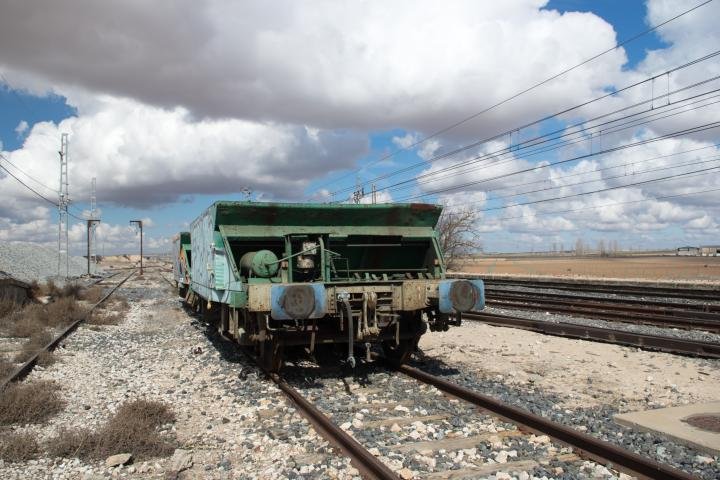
x=64 y=311
x=104 y=318
x=35 y=344
x=8 y=307
x=18 y=447
x=34 y=317
x=45 y=359
x=32 y=402
x=93 y=294
x=6 y=367
x=70 y=289
x=133 y=429
x=27 y=324
x=74 y=442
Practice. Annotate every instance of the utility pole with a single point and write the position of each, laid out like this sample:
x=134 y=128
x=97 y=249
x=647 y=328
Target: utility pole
x=63 y=202
x=91 y=222
x=139 y=224
x=374 y=194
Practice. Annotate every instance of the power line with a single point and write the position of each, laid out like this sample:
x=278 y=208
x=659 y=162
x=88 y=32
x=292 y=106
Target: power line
x=592 y=207
x=498 y=154
x=28 y=186
x=617 y=187
x=714 y=158
x=522 y=92
x=548 y=117
x=38 y=182
x=697 y=129
x=716 y=145
x=38 y=194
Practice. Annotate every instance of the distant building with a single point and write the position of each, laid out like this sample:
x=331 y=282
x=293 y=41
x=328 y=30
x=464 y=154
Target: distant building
x=710 y=251
x=687 y=251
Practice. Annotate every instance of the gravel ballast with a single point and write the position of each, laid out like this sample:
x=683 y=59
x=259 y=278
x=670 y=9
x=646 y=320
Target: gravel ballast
x=30 y=261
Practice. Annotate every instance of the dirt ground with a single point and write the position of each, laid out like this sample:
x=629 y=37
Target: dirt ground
x=640 y=267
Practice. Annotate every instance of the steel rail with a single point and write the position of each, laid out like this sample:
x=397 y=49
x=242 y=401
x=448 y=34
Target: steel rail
x=618 y=289
x=102 y=279
x=23 y=370
x=655 y=308
x=606 y=335
x=367 y=464
x=598 y=450
x=615 y=313
x=640 y=303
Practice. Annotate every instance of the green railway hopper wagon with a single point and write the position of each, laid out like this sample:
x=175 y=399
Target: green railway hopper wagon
x=279 y=274
x=182 y=259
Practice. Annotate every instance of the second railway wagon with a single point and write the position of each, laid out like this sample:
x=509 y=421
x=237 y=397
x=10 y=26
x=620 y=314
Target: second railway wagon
x=282 y=274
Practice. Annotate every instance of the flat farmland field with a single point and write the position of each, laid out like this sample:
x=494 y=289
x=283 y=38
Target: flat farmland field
x=704 y=269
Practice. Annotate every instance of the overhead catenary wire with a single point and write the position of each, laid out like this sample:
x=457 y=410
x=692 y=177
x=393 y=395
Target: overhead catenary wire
x=696 y=129
x=548 y=117
x=499 y=155
x=38 y=182
x=611 y=167
x=593 y=207
x=714 y=158
x=522 y=92
x=607 y=189
x=38 y=194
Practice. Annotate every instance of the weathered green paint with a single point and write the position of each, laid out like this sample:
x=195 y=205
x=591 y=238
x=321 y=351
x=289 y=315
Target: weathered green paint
x=314 y=214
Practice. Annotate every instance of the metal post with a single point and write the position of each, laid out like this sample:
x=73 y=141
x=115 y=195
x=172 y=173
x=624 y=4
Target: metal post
x=90 y=223
x=139 y=224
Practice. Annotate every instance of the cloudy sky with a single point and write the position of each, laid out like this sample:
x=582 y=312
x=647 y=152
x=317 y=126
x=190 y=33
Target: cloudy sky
x=174 y=104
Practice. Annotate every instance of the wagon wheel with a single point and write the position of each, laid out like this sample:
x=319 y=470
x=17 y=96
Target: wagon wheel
x=271 y=355
x=397 y=354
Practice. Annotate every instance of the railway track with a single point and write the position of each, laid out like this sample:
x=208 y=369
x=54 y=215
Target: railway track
x=702 y=294
x=661 y=314
x=23 y=370
x=583 y=446
x=607 y=335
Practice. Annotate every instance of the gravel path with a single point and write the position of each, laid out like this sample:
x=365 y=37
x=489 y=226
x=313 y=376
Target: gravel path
x=234 y=423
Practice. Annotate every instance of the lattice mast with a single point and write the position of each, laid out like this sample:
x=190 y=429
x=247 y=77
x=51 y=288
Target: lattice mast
x=63 y=202
x=93 y=224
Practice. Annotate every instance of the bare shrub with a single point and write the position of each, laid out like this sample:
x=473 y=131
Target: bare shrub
x=18 y=447
x=32 y=402
x=35 y=288
x=49 y=288
x=457 y=234
x=71 y=289
x=133 y=429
